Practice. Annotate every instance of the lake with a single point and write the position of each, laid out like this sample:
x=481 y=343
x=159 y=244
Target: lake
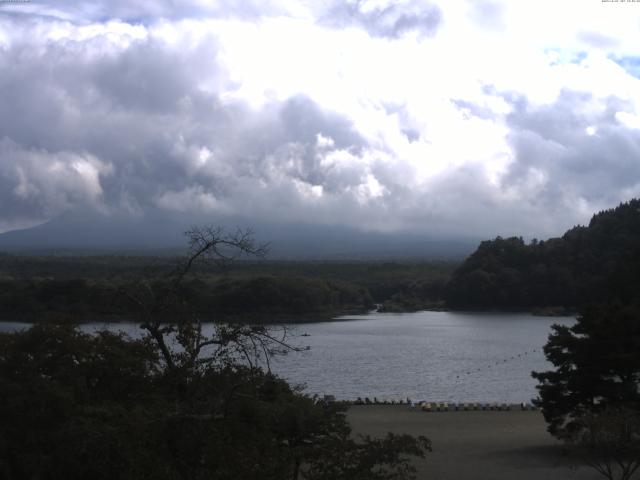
x=436 y=356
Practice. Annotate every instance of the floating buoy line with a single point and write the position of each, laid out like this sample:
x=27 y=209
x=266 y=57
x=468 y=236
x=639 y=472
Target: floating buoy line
x=426 y=406
x=499 y=362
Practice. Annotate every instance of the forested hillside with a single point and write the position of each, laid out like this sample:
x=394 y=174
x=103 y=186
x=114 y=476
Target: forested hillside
x=82 y=300
x=86 y=288
x=587 y=264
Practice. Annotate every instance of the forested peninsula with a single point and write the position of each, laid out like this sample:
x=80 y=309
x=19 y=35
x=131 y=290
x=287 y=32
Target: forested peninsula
x=588 y=264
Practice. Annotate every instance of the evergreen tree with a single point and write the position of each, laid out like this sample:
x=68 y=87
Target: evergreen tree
x=597 y=365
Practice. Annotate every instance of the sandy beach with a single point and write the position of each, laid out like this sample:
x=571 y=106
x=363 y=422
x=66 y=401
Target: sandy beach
x=487 y=445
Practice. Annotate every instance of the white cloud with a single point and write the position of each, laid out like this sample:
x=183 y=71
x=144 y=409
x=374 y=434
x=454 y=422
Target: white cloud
x=457 y=116
x=39 y=183
x=628 y=120
x=191 y=199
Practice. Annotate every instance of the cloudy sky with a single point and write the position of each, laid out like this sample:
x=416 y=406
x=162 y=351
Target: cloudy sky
x=457 y=117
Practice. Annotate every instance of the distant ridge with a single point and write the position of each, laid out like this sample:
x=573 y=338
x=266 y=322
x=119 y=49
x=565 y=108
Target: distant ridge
x=153 y=234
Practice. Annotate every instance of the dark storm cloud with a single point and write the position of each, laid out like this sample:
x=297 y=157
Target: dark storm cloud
x=554 y=141
x=132 y=129
x=125 y=109
x=303 y=120
x=391 y=21
x=36 y=184
x=144 y=11
x=120 y=117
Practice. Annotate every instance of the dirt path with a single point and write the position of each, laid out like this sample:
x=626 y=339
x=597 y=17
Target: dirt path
x=479 y=445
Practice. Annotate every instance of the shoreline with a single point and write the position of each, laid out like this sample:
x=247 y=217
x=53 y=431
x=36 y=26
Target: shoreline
x=535 y=311
x=239 y=318
x=272 y=318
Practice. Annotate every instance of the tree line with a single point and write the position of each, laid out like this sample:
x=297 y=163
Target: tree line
x=89 y=288
x=587 y=264
x=84 y=300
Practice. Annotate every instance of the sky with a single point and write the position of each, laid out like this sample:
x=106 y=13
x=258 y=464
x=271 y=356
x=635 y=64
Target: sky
x=451 y=118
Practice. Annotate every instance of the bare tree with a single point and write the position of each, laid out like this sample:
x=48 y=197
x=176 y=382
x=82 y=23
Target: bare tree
x=167 y=317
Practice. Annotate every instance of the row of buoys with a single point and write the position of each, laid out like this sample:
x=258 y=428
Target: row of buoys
x=445 y=406
x=498 y=362
x=375 y=401
x=458 y=407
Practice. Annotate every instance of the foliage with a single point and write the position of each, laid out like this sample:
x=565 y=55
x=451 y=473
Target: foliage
x=597 y=364
x=586 y=264
x=401 y=302
x=286 y=295
x=179 y=403
x=88 y=288
x=369 y=459
x=69 y=400
x=82 y=300
x=76 y=405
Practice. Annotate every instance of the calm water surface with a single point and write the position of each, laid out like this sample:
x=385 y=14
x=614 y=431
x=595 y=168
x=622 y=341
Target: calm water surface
x=437 y=356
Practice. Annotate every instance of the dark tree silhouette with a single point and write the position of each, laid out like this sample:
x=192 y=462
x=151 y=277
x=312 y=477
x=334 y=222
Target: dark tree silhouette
x=587 y=264
x=179 y=403
x=597 y=364
x=592 y=398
